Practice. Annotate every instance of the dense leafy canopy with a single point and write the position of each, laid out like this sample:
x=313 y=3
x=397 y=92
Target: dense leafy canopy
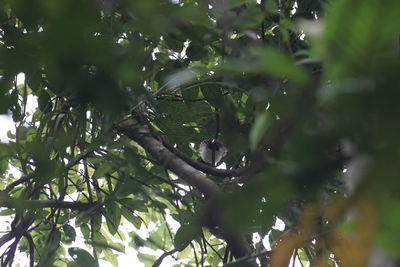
x=304 y=95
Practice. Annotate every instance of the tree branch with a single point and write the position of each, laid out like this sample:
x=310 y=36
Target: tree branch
x=208 y=169
x=14 y=203
x=142 y=135
x=161 y=258
x=31 y=249
x=243 y=259
x=16 y=231
x=25 y=178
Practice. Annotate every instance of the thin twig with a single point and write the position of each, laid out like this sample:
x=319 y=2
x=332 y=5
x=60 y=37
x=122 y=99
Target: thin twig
x=31 y=249
x=33 y=174
x=195 y=254
x=165 y=254
x=11 y=202
x=294 y=257
x=246 y=258
x=213 y=249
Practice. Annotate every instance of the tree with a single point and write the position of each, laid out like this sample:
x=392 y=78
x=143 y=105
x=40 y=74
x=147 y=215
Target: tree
x=127 y=90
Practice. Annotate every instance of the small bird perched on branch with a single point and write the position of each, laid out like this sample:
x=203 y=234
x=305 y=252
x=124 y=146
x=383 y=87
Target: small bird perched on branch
x=212 y=151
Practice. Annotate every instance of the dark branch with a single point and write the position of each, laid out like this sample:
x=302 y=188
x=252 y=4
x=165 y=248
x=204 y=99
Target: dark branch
x=188 y=85
x=246 y=258
x=31 y=249
x=17 y=231
x=33 y=174
x=165 y=254
x=19 y=181
x=207 y=169
x=14 y=203
x=142 y=135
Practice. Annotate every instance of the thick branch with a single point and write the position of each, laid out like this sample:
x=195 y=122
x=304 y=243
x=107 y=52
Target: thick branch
x=142 y=135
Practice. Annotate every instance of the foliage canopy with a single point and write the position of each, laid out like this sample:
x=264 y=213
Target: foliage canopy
x=304 y=95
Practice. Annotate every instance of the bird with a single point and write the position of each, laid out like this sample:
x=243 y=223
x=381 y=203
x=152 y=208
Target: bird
x=211 y=151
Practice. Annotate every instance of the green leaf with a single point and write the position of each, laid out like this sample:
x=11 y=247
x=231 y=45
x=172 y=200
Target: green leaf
x=213 y=94
x=190 y=93
x=81 y=258
x=136 y=221
x=158 y=239
x=117 y=247
x=111 y=257
x=196 y=52
x=113 y=217
x=100 y=239
x=55 y=239
x=102 y=244
x=275 y=63
x=134 y=204
x=173 y=43
x=3 y=166
x=23 y=245
x=103 y=169
x=251 y=17
x=179 y=78
x=7 y=212
x=147 y=259
x=185 y=234
x=49 y=251
x=235 y=3
x=85 y=231
x=70 y=233
x=44 y=101
x=137 y=241
x=261 y=124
